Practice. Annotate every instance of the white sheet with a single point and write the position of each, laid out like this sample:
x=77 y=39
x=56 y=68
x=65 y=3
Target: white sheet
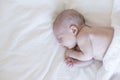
x=28 y=48
x=111 y=60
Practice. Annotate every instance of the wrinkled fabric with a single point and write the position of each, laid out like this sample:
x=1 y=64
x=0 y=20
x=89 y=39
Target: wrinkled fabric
x=111 y=61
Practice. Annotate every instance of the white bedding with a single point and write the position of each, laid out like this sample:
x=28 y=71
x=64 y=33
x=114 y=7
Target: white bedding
x=28 y=48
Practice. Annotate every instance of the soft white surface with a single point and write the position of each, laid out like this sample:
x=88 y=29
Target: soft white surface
x=111 y=61
x=28 y=48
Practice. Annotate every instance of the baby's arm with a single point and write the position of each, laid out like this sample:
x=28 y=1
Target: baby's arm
x=72 y=58
x=75 y=54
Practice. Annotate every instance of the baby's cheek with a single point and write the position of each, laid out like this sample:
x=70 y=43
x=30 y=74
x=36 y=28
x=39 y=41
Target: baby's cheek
x=69 y=43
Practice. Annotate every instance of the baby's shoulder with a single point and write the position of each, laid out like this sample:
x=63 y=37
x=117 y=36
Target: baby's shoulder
x=82 y=37
x=83 y=34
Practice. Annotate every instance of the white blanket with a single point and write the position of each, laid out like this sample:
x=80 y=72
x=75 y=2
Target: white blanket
x=111 y=61
x=28 y=48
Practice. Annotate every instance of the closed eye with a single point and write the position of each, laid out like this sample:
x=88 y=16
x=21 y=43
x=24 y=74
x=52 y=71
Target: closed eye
x=60 y=39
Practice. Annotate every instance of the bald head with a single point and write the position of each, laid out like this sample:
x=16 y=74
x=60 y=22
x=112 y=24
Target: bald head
x=67 y=18
x=67 y=26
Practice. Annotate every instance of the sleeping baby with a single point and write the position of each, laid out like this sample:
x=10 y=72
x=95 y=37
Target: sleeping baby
x=83 y=43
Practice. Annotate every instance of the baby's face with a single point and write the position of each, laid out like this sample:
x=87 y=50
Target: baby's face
x=65 y=38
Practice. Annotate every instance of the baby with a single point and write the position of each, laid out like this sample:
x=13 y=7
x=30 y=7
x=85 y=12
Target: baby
x=83 y=43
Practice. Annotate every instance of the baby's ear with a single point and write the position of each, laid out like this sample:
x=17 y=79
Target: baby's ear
x=74 y=29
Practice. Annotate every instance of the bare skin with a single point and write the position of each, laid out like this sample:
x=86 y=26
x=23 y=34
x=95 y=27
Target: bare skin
x=84 y=43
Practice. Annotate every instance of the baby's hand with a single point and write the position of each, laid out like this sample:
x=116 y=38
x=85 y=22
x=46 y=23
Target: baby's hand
x=68 y=52
x=69 y=60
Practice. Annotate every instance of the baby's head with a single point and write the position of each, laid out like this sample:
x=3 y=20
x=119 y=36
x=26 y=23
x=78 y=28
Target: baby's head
x=66 y=27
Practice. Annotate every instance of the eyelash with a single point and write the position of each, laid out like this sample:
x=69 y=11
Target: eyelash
x=60 y=39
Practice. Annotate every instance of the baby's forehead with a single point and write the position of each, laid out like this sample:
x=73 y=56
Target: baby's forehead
x=61 y=25
x=59 y=28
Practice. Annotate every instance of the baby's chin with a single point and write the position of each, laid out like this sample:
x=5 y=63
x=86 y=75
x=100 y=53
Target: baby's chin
x=69 y=47
x=72 y=46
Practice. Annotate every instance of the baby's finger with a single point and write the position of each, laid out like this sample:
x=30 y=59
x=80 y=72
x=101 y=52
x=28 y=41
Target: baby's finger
x=70 y=64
